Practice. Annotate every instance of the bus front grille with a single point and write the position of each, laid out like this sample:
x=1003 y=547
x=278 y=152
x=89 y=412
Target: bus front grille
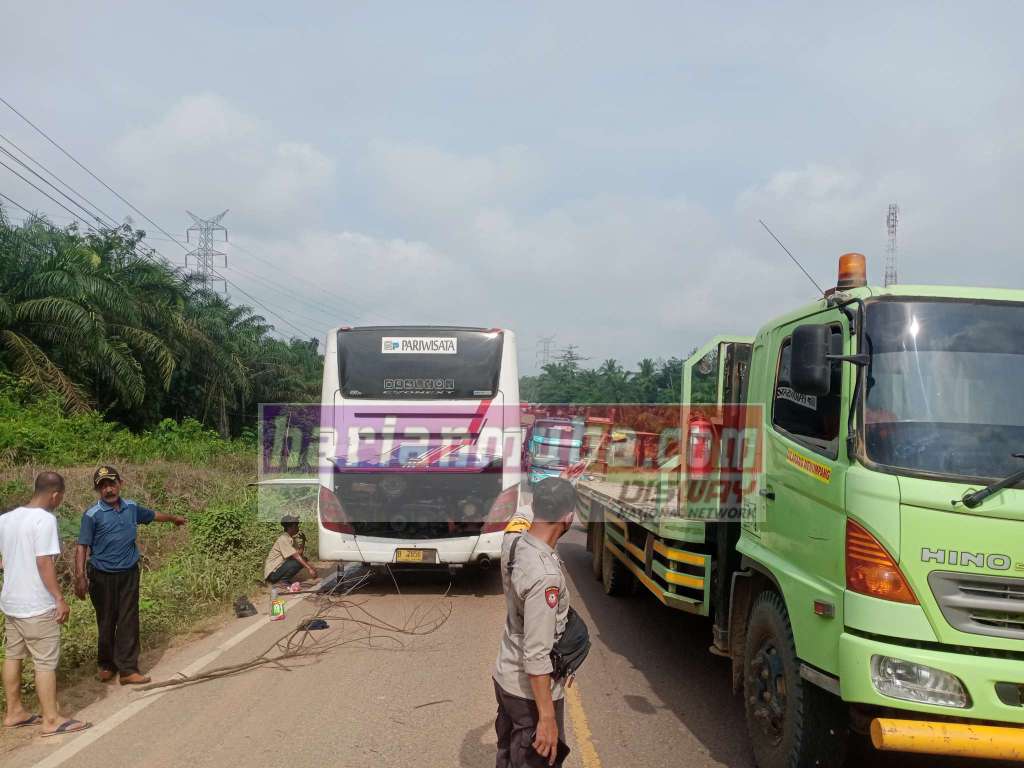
x=417 y=505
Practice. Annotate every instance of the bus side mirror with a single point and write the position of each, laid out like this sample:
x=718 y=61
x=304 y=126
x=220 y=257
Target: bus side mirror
x=810 y=370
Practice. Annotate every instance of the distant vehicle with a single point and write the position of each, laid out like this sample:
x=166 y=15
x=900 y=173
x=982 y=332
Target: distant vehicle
x=421 y=464
x=554 y=444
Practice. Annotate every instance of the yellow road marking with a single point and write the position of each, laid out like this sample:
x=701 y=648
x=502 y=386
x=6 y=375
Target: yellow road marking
x=580 y=726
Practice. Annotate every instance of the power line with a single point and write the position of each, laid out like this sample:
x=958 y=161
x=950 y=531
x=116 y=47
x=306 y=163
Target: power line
x=272 y=312
x=110 y=222
x=56 y=189
x=332 y=319
x=245 y=293
x=356 y=309
x=84 y=168
x=46 y=194
x=58 y=178
x=18 y=205
x=114 y=192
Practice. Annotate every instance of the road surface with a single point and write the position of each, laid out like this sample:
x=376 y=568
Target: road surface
x=649 y=695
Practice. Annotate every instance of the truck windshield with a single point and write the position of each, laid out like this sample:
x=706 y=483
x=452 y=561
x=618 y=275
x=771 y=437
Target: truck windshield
x=944 y=384
x=556 y=444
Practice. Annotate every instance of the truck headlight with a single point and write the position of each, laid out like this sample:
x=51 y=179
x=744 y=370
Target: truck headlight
x=906 y=680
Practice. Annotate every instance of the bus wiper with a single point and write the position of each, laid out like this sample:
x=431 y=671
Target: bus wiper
x=972 y=500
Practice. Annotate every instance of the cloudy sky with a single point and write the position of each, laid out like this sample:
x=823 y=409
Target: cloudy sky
x=590 y=171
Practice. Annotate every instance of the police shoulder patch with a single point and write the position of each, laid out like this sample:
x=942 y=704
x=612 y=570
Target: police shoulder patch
x=551 y=595
x=517 y=525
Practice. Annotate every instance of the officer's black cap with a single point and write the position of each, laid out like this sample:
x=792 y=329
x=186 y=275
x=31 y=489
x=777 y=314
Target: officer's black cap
x=553 y=499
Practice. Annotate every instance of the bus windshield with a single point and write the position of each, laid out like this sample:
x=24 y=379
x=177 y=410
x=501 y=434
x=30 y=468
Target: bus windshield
x=419 y=363
x=943 y=387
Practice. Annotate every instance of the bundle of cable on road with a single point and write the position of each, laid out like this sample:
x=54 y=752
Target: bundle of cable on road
x=343 y=613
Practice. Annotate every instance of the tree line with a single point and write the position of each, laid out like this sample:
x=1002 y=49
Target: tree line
x=99 y=322
x=565 y=380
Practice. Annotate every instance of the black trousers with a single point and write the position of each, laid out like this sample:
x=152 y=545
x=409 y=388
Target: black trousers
x=516 y=725
x=115 y=596
x=286 y=570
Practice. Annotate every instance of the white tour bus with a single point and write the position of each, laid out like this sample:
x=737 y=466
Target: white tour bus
x=420 y=445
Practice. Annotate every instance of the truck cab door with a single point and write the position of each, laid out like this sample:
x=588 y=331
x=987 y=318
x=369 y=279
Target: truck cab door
x=805 y=464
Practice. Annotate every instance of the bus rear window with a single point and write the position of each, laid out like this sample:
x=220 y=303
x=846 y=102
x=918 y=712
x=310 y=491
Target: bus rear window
x=419 y=363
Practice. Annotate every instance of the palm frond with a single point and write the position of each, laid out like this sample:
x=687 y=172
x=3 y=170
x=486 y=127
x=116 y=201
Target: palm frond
x=41 y=373
x=152 y=347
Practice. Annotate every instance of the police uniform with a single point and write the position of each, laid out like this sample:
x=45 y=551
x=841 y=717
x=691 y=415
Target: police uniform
x=537 y=603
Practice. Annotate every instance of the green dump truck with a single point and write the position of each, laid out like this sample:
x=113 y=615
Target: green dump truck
x=874 y=580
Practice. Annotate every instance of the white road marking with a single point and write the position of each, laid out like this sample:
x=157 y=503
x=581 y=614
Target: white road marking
x=101 y=729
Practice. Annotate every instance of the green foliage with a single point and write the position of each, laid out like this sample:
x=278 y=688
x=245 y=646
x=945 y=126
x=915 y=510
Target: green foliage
x=565 y=381
x=87 y=322
x=111 y=356
x=41 y=431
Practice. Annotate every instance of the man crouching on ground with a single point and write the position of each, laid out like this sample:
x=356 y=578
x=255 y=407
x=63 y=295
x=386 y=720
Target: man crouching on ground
x=107 y=540
x=287 y=557
x=531 y=716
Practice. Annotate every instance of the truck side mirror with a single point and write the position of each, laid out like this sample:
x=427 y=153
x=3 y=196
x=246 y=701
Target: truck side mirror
x=810 y=370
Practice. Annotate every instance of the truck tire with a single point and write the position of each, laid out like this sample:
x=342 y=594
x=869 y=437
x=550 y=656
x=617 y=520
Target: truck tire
x=616 y=577
x=596 y=537
x=791 y=722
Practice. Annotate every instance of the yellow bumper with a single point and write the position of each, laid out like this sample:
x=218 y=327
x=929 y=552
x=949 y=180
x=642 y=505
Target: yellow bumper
x=954 y=739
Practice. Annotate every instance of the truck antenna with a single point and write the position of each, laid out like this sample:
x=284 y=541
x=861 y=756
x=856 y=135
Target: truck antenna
x=759 y=221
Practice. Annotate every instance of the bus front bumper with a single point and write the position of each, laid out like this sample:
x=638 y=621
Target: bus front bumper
x=484 y=549
x=988 y=681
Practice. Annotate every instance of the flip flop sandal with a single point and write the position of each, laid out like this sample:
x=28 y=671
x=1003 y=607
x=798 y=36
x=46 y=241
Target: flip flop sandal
x=69 y=726
x=30 y=720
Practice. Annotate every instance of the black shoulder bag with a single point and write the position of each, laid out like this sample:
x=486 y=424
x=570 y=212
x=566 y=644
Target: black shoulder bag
x=571 y=649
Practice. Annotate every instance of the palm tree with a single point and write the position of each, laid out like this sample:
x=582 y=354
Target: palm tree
x=99 y=323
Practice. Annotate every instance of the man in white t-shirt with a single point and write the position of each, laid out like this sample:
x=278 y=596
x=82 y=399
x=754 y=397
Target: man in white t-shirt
x=33 y=605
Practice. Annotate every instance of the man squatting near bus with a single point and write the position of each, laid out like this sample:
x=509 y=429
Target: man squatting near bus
x=287 y=557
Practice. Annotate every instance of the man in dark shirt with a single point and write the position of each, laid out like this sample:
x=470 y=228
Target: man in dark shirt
x=107 y=540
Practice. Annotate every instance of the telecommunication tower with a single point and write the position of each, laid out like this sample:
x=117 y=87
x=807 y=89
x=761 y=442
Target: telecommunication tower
x=205 y=258
x=891 y=221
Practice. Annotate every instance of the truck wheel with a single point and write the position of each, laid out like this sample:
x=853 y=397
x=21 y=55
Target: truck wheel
x=596 y=536
x=792 y=723
x=616 y=577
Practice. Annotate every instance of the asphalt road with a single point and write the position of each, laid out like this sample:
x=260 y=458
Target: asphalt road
x=649 y=695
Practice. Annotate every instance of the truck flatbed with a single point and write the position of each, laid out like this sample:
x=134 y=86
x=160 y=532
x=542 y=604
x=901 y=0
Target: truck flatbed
x=635 y=531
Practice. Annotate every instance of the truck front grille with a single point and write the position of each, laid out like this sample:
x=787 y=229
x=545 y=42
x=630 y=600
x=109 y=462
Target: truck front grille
x=980 y=605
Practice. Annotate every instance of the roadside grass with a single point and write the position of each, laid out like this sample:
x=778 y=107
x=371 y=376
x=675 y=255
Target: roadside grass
x=188 y=573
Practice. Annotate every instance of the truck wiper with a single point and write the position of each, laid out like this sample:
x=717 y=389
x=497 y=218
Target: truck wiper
x=972 y=500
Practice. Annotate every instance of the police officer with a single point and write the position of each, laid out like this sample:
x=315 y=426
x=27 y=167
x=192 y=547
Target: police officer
x=530 y=717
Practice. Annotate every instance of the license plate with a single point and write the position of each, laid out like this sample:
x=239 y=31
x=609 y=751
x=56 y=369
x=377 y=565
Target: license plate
x=415 y=556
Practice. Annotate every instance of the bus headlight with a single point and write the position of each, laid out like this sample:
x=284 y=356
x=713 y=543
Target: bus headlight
x=908 y=681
